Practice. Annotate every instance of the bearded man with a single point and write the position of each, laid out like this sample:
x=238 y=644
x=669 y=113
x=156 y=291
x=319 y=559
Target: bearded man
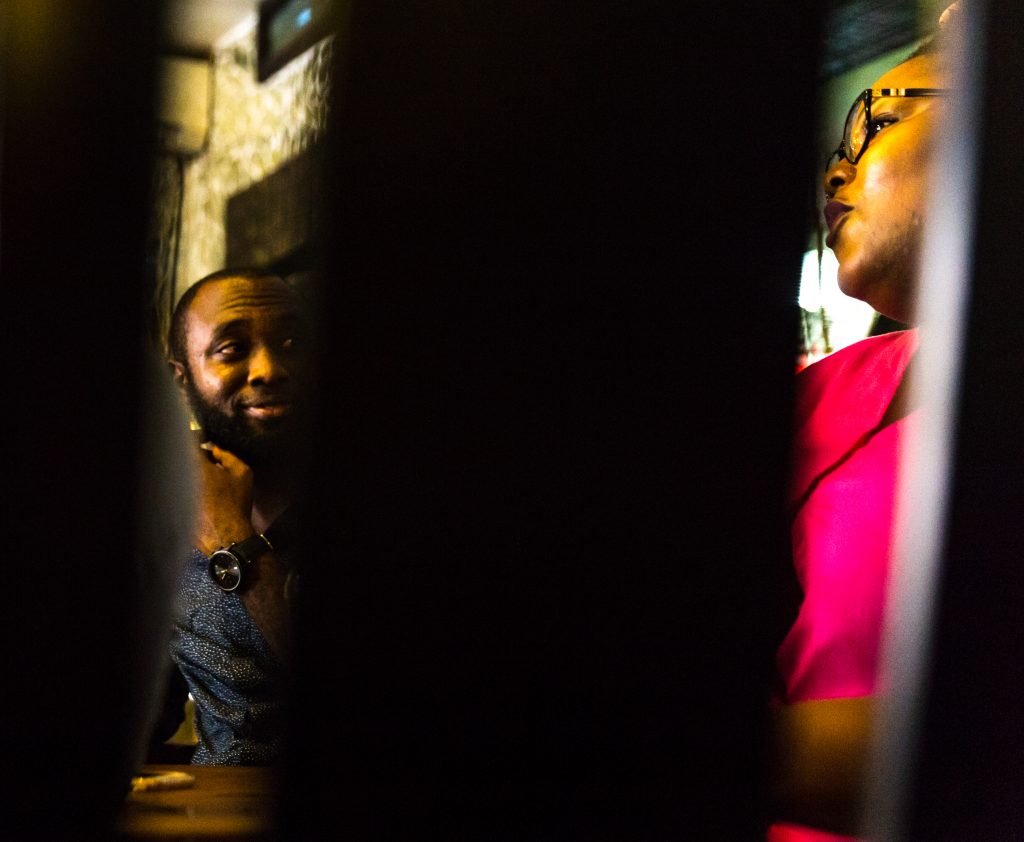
x=239 y=356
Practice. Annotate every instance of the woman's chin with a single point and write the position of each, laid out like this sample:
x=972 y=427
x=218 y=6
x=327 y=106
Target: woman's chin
x=851 y=284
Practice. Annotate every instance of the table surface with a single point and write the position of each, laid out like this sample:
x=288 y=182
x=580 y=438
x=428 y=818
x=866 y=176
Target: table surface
x=226 y=802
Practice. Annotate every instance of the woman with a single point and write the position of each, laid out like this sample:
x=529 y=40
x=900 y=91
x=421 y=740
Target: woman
x=852 y=413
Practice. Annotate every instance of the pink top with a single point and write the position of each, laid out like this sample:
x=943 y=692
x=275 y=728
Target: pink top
x=842 y=499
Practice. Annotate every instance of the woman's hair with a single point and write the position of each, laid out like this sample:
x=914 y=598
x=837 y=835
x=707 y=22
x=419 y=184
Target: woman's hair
x=934 y=44
x=929 y=47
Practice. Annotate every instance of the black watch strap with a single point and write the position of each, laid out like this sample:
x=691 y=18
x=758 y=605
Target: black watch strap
x=249 y=548
x=228 y=564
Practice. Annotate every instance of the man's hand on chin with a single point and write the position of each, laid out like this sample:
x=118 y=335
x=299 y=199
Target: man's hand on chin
x=223 y=498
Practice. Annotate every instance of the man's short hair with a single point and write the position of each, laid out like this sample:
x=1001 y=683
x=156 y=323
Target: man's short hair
x=177 y=338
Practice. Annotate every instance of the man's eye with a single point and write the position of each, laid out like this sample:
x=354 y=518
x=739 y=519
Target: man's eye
x=229 y=349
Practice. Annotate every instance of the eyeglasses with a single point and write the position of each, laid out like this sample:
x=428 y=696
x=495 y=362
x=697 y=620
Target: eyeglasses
x=860 y=128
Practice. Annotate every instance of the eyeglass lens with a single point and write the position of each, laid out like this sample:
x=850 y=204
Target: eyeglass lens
x=856 y=129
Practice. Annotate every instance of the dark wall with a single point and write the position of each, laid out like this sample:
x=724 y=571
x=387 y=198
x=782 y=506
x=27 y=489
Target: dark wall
x=560 y=339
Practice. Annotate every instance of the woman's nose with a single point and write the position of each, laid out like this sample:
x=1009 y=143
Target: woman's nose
x=838 y=174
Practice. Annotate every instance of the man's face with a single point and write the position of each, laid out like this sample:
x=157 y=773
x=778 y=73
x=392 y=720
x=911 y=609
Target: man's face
x=246 y=367
x=877 y=240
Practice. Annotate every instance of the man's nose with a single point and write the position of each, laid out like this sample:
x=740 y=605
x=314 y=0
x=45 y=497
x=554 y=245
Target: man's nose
x=266 y=366
x=838 y=174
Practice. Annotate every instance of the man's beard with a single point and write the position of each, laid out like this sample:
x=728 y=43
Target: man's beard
x=259 y=445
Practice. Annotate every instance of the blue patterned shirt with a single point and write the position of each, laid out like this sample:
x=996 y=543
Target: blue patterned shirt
x=235 y=679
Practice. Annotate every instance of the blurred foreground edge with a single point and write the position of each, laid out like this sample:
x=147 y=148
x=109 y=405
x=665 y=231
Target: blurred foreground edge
x=547 y=533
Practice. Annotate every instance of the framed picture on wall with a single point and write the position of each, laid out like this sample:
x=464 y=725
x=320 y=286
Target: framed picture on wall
x=287 y=28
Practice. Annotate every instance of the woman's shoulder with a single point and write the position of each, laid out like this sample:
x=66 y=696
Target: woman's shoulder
x=843 y=396
x=876 y=358
x=853 y=380
x=888 y=346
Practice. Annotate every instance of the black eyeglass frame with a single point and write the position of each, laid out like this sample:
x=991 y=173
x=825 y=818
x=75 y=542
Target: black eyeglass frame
x=842 y=151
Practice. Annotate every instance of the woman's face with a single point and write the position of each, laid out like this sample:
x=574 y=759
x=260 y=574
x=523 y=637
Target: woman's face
x=876 y=228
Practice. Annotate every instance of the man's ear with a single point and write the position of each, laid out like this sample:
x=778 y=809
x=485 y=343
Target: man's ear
x=179 y=374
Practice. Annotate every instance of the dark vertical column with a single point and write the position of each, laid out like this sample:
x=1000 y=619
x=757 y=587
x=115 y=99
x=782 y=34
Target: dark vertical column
x=971 y=765
x=75 y=168
x=559 y=340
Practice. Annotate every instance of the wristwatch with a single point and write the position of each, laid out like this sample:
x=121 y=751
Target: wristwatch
x=227 y=565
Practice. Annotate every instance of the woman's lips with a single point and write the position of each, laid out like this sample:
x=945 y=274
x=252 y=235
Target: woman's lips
x=833 y=217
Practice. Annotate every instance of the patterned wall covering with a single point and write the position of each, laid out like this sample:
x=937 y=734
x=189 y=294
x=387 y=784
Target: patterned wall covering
x=162 y=242
x=254 y=129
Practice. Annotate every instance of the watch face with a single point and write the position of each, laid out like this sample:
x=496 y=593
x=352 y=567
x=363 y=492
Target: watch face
x=225 y=570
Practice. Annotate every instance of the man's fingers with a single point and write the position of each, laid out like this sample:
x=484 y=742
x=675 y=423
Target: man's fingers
x=225 y=458
x=206 y=455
